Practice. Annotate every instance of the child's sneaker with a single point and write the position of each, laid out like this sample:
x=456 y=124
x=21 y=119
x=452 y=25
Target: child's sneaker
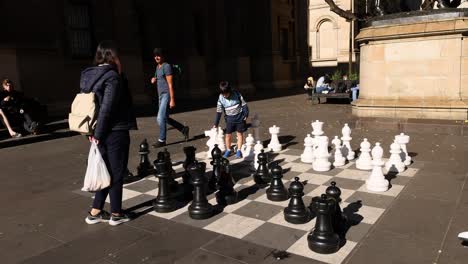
x=103 y=216
x=227 y=154
x=238 y=154
x=119 y=219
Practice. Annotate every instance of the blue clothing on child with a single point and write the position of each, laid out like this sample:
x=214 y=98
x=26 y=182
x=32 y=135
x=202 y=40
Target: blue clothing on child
x=234 y=107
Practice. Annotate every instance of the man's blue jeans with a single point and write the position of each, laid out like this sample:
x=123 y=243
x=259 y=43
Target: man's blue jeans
x=163 y=117
x=354 y=91
x=322 y=88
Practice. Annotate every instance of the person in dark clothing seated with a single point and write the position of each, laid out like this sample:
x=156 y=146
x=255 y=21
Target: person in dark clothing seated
x=18 y=108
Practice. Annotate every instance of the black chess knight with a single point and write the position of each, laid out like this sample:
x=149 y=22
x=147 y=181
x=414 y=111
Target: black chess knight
x=323 y=238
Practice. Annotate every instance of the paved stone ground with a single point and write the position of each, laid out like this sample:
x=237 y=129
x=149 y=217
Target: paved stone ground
x=41 y=220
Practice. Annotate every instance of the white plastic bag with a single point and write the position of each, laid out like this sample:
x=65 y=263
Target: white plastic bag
x=97 y=176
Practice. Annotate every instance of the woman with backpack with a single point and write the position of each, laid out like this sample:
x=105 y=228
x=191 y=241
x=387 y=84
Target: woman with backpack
x=114 y=120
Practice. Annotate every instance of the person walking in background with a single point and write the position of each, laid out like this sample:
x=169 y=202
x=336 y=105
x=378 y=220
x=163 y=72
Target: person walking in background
x=309 y=87
x=236 y=111
x=163 y=77
x=114 y=120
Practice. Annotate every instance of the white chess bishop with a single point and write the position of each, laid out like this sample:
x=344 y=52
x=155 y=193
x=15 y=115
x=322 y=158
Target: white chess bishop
x=308 y=154
x=321 y=162
x=364 y=162
x=339 y=159
x=346 y=149
x=212 y=134
x=274 y=145
x=220 y=140
x=403 y=140
x=377 y=181
x=394 y=163
x=248 y=148
x=257 y=150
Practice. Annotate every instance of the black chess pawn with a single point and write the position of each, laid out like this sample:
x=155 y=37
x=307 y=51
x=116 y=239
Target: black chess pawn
x=216 y=155
x=277 y=192
x=323 y=238
x=338 y=219
x=262 y=175
x=296 y=212
x=200 y=208
x=226 y=194
x=144 y=168
x=164 y=201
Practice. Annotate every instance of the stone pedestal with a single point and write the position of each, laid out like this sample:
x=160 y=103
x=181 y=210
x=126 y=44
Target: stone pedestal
x=414 y=66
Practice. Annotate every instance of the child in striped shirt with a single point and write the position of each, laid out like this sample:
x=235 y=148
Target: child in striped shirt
x=236 y=111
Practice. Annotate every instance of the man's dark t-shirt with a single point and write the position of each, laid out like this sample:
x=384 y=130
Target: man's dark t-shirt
x=160 y=75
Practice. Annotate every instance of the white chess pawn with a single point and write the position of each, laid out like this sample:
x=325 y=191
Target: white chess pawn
x=377 y=181
x=364 y=162
x=212 y=134
x=394 y=163
x=220 y=140
x=308 y=154
x=257 y=149
x=256 y=126
x=317 y=128
x=274 y=145
x=321 y=162
x=339 y=159
x=248 y=148
x=403 y=139
x=346 y=149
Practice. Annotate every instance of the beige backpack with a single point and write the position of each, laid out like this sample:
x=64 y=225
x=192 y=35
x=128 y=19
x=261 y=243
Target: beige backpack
x=83 y=113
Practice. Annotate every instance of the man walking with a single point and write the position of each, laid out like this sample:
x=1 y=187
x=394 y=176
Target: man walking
x=164 y=81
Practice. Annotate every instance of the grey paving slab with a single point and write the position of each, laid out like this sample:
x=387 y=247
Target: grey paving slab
x=166 y=246
x=206 y=257
x=418 y=217
x=436 y=185
x=386 y=247
x=92 y=247
x=275 y=236
x=371 y=199
x=238 y=249
x=258 y=210
x=453 y=251
x=186 y=219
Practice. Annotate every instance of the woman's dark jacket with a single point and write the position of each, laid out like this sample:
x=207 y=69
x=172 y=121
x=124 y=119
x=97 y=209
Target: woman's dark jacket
x=114 y=99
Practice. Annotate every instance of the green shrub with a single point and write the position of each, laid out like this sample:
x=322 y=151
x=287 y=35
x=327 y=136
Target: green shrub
x=336 y=76
x=353 y=76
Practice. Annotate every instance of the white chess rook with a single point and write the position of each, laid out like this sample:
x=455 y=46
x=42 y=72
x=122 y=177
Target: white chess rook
x=308 y=154
x=212 y=134
x=339 y=159
x=257 y=149
x=377 y=181
x=346 y=149
x=403 y=140
x=274 y=145
x=321 y=162
x=394 y=163
x=364 y=162
x=248 y=148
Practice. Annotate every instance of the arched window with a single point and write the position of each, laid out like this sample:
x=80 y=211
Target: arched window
x=327 y=40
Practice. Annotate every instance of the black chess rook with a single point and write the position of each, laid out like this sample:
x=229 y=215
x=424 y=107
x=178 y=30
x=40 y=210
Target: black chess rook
x=200 y=208
x=323 y=239
x=277 y=192
x=226 y=194
x=296 y=212
x=262 y=175
x=164 y=202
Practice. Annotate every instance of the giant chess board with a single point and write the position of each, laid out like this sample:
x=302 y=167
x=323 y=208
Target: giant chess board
x=256 y=219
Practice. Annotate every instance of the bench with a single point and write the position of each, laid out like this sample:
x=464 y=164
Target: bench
x=331 y=95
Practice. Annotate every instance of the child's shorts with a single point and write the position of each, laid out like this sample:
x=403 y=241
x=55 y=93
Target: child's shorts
x=238 y=127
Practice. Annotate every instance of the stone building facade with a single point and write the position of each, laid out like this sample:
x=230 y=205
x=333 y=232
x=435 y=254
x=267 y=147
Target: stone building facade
x=257 y=45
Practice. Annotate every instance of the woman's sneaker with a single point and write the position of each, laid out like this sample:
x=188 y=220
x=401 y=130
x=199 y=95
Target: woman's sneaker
x=119 y=219
x=103 y=216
